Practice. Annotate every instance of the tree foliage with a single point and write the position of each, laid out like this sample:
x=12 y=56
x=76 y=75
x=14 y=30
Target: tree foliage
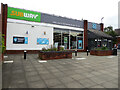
x=109 y=30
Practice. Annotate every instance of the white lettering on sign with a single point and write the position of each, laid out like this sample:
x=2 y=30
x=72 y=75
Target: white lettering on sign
x=30 y=15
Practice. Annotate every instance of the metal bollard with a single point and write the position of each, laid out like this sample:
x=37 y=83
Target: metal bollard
x=75 y=52
x=87 y=52
x=25 y=54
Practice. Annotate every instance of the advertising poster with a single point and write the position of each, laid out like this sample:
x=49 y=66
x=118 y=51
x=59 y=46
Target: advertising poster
x=79 y=44
x=20 y=40
x=65 y=39
x=43 y=41
x=56 y=44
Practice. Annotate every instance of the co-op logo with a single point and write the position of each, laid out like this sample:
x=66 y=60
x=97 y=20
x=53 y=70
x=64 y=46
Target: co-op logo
x=21 y=14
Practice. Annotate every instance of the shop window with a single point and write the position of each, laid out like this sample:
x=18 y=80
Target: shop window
x=65 y=39
x=76 y=40
x=57 y=38
x=68 y=38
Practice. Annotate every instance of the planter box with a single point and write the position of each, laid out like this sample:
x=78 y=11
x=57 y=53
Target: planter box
x=101 y=52
x=48 y=55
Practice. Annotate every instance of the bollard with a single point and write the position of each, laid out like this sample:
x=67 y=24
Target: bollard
x=75 y=52
x=87 y=52
x=25 y=54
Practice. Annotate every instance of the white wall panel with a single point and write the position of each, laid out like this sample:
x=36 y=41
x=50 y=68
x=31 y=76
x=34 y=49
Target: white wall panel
x=14 y=29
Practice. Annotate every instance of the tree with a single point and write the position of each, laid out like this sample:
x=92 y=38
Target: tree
x=109 y=30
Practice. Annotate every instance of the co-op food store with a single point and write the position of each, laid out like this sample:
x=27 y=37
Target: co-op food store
x=30 y=30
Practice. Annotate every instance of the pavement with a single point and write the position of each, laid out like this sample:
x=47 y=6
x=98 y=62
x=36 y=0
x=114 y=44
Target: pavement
x=81 y=71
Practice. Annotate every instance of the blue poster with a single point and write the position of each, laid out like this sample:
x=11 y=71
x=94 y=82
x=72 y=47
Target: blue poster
x=26 y=40
x=42 y=41
x=20 y=40
x=79 y=44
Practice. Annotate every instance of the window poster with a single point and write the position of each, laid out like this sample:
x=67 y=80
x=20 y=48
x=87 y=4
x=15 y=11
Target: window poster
x=43 y=41
x=20 y=40
x=65 y=39
x=79 y=44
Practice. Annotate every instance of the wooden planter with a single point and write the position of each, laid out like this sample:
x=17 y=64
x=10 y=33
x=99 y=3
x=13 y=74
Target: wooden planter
x=101 y=52
x=48 y=55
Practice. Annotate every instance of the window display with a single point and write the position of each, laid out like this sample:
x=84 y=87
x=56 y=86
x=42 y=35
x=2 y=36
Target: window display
x=70 y=39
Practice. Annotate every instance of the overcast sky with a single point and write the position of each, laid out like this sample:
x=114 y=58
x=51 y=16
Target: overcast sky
x=91 y=10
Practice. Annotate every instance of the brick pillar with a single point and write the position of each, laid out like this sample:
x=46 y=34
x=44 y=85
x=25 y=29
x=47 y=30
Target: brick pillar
x=1 y=23
x=101 y=26
x=4 y=20
x=1 y=19
x=85 y=34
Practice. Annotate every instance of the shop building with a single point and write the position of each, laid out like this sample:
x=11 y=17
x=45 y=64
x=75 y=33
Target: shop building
x=31 y=31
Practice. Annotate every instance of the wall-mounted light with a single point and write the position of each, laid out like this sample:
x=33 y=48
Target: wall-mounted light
x=44 y=33
x=32 y=26
x=26 y=32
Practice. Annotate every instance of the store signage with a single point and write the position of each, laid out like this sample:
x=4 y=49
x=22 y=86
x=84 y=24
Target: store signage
x=42 y=41
x=79 y=44
x=21 y=14
x=20 y=40
x=94 y=26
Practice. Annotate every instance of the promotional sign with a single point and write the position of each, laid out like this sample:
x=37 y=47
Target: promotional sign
x=20 y=40
x=56 y=44
x=42 y=41
x=94 y=26
x=21 y=14
x=79 y=44
x=65 y=39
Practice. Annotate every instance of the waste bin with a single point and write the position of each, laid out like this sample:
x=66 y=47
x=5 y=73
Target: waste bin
x=114 y=51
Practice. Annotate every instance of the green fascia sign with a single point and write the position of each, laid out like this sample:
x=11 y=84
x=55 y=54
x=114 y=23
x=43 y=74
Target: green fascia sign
x=21 y=14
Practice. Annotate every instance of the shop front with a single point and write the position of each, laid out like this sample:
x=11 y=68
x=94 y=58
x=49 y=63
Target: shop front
x=32 y=31
x=69 y=39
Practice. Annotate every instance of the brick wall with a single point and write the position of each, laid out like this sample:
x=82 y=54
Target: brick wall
x=85 y=34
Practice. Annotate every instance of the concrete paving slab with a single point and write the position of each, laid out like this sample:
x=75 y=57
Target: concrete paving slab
x=92 y=72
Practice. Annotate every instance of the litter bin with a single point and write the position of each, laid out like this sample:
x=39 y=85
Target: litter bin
x=114 y=51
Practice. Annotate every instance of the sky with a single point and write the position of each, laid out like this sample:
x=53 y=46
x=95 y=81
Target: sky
x=91 y=10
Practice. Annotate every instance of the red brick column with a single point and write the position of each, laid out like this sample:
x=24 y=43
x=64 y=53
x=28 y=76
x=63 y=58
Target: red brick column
x=85 y=34
x=1 y=29
x=4 y=20
x=101 y=26
x=1 y=19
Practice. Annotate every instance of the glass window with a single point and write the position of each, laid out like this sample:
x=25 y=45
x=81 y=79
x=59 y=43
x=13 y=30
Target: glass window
x=73 y=40
x=68 y=38
x=57 y=38
x=80 y=40
x=65 y=38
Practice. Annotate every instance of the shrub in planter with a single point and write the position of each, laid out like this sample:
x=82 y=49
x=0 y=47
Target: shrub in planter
x=101 y=51
x=52 y=48
x=53 y=53
x=101 y=48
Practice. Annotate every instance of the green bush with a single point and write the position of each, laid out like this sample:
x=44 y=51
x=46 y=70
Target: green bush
x=61 y=48
x=2 y=44
x=101 y=48
x=52 y=48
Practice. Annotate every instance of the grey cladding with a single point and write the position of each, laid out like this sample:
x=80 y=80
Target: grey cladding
x=52 y=19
